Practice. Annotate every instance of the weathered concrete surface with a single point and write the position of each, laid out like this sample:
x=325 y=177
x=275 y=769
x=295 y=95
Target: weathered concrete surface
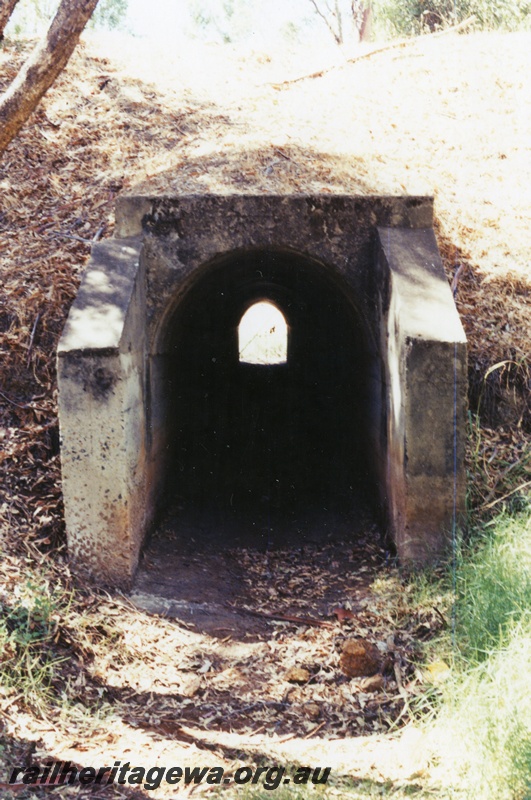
x=149 y=356
x=425 y=379
x=186 y=234
x=103 y=417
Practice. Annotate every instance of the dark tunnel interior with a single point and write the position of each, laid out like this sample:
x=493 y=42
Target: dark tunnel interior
x=268 y=441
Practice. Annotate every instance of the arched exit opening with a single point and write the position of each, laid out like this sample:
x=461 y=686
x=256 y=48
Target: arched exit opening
x=263 y=335
x=268 y=376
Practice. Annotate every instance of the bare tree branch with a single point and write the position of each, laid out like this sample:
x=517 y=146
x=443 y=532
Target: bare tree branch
x=337 y=14
x=338 y=36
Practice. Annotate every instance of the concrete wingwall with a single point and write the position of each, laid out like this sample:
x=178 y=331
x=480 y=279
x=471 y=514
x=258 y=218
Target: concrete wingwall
x=101 y=377
x=425 y=386
x=115 y=370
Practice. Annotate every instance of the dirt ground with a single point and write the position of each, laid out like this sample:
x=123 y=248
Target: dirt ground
x=215 y=568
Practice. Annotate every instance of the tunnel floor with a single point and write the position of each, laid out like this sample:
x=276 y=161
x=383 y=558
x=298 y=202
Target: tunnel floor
x=193 y=566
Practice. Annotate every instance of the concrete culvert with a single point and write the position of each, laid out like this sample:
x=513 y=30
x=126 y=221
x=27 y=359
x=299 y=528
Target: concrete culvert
x=360 y=402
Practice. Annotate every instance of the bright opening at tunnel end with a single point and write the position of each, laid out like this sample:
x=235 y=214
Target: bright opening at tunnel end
x=263 y=335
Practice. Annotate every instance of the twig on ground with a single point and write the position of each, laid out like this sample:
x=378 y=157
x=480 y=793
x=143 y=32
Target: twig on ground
x=13 y=402
x=32 y=337
x=284 y=155
x=455 y=279
x=23 y=405
x=286 y=617
x=59 y=235
x=315 y=730
x=99 y=232
x=505 y=496
x=441 y=616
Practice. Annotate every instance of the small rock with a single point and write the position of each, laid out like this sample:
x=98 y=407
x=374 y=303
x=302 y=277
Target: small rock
x=190 y=685
x=437 y=672
x=311 y=710
x=297 y=675
x=359 y=657
x=373 y=684
x=205 y=667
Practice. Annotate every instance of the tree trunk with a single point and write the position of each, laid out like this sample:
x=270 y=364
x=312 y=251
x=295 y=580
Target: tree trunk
x=6 y=9
x=366 y=24
x=362 y=14
x=43 y=66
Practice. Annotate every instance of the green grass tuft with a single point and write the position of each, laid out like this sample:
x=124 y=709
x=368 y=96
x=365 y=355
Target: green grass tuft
x=493 y=586
x=484 y=725
x=28 y=623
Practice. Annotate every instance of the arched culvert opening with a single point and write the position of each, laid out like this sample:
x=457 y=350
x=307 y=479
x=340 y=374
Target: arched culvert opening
x=268 y=443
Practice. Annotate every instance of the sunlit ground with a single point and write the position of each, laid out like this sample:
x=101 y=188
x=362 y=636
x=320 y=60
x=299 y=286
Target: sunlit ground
x=440 y=117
